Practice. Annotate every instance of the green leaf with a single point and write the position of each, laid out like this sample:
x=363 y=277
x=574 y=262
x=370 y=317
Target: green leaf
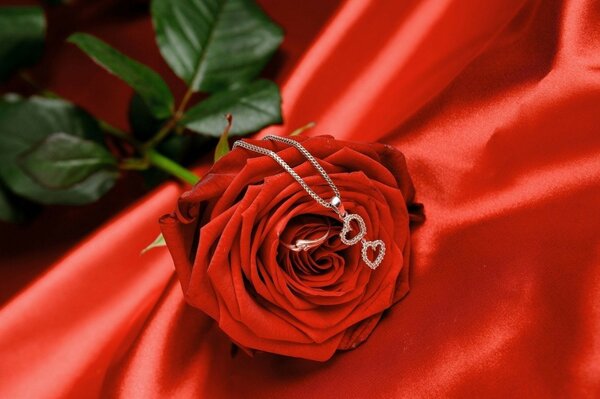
x=142 y=122
x=223 y=145
x=22 y=31
x=147 y=83
x=157 y=243
x=214 y=44
x=61 y=160
x=253 y=107
x=24 y=124
x=183 y=149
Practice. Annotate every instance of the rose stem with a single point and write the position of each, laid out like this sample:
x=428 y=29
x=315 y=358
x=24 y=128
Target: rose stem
x=171 y=167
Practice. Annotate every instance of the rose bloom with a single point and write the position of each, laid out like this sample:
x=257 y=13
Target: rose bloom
x=230 y=235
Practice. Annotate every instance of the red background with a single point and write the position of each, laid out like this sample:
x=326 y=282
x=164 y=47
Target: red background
x=496 y=106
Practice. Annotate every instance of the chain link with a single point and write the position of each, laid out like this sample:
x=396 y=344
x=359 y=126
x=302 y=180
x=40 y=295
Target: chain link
x=310 y=158
x=291 y=171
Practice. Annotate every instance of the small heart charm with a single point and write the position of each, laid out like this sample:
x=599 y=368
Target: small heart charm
x=376 y=246
x=346 y=228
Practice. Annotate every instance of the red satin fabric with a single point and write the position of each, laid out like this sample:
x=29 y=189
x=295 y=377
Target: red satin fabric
x=496 y=106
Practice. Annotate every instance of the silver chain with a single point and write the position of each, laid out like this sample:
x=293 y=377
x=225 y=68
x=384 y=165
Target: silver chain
x=291 y=171
x=335 y=203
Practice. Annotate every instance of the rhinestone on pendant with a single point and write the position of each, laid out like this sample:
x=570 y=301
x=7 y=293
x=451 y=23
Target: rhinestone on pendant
x=378 y=247
x=346 y=228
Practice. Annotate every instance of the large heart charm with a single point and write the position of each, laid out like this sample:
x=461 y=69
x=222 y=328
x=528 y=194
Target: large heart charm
x=346 y=228
x=378 y=247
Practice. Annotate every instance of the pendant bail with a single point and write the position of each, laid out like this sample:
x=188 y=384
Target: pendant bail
x=338 y=207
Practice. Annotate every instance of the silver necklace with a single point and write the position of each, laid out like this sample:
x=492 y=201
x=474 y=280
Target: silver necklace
x=335 y=204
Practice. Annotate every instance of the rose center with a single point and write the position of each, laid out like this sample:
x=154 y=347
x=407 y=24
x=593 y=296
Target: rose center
x=308 y=246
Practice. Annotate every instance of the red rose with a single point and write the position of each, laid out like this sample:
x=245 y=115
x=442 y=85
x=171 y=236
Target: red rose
x=228 y=235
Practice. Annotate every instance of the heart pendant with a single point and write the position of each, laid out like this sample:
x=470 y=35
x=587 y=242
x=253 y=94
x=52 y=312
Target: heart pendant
x=346 y=228
x=374 y=245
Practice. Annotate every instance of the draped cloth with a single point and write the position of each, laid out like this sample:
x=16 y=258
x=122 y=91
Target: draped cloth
x=496 y=105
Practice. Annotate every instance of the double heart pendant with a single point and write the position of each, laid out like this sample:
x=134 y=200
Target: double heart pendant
x=377 y=246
